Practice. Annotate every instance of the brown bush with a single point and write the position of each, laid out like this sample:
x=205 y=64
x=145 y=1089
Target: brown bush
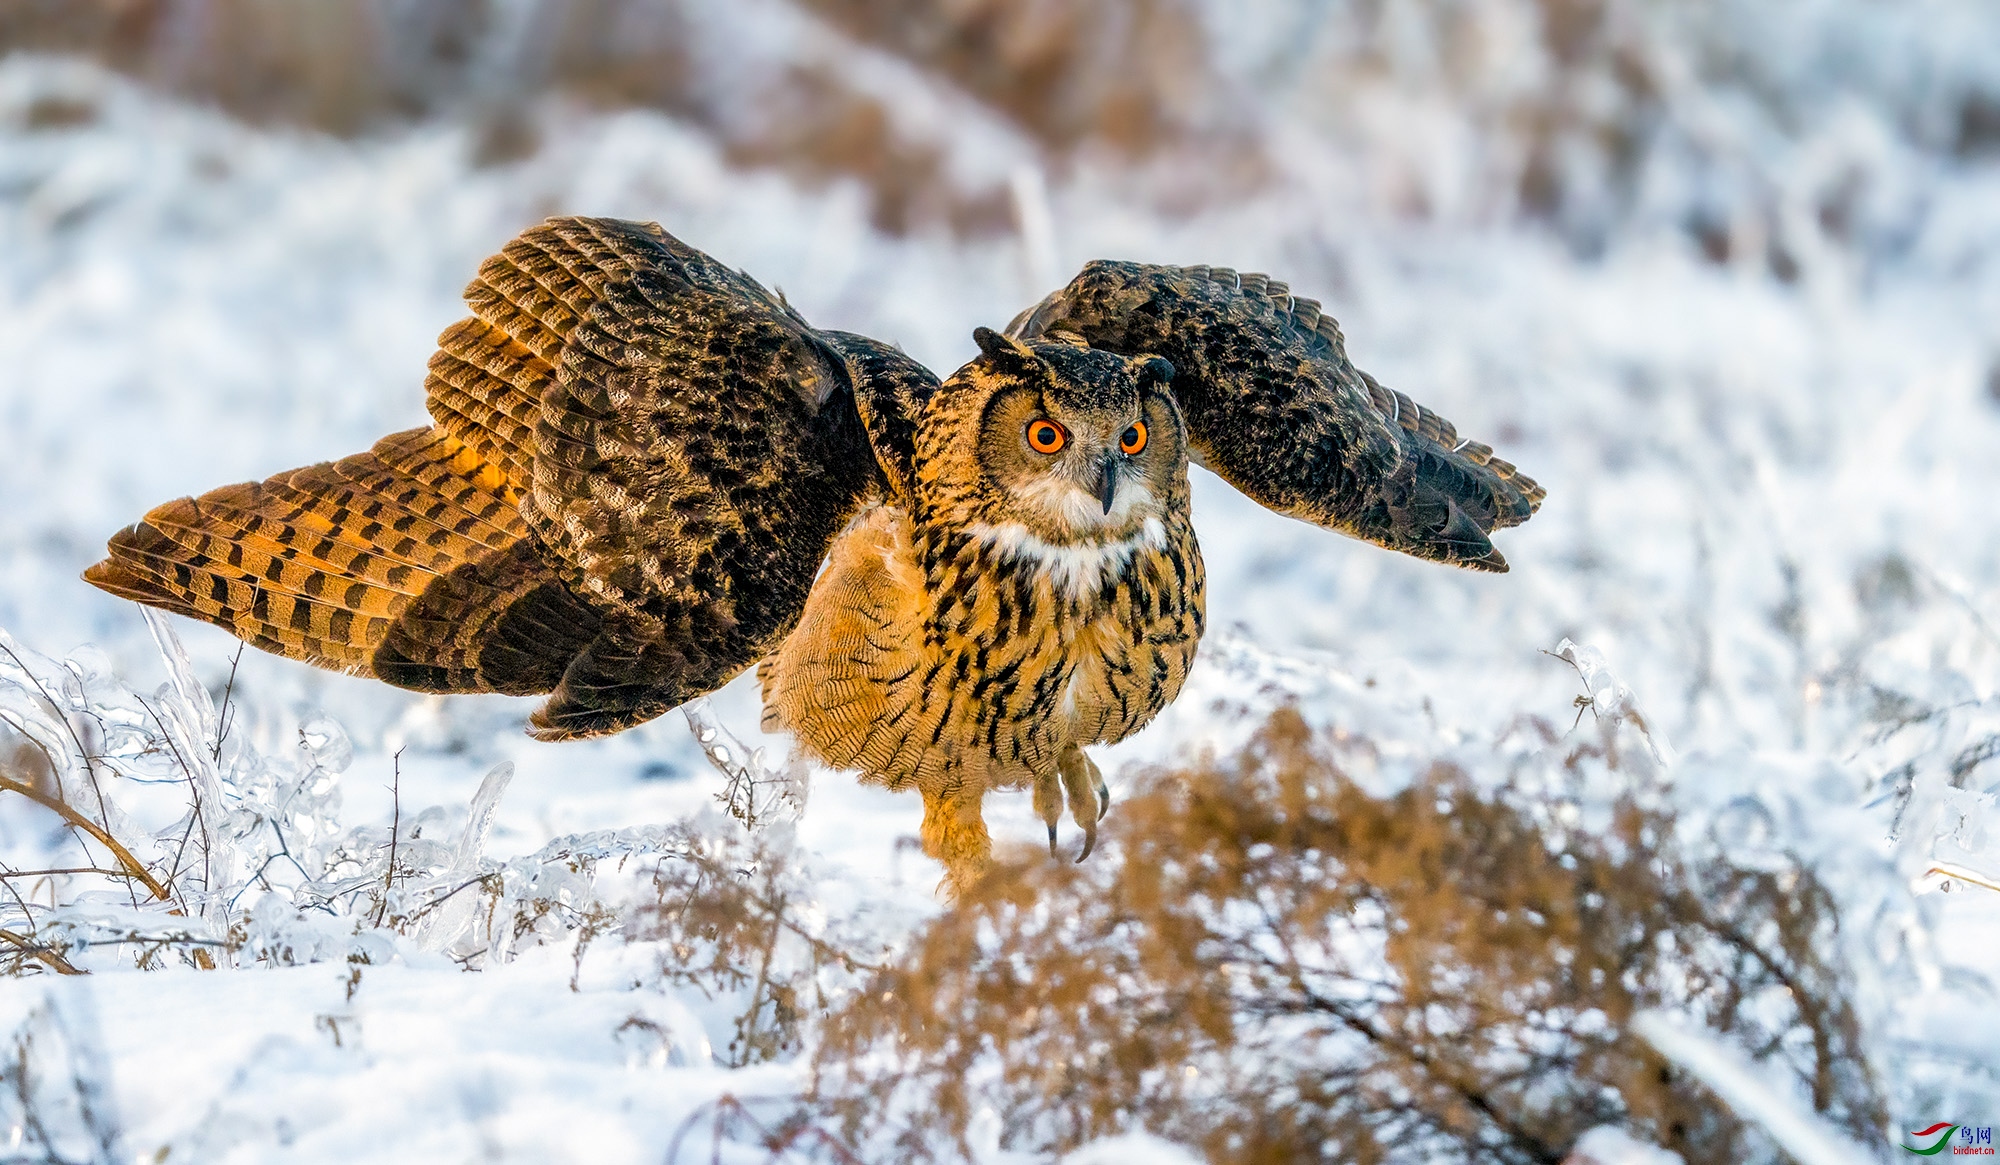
x=1274 y=965
x=728 y=912
x=1126 y=74
x=342 y=67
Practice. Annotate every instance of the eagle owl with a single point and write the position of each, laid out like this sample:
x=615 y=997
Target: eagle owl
x=640 y=459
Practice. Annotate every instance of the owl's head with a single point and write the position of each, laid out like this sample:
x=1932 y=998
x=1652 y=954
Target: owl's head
x=1073 y=443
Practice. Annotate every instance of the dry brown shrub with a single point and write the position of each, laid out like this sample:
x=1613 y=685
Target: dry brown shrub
x=1129 y=75
x=812 y=124
x=732 y=914
x=1131 y=79
x=342 y=66
x=1275 y=965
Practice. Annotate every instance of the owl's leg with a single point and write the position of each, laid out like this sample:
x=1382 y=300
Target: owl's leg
x=1088 y=796
x=954 y=832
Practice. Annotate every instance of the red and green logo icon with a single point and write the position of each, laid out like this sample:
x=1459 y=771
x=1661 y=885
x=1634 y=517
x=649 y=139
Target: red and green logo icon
x=1972 y=1140
x=1930 y=1141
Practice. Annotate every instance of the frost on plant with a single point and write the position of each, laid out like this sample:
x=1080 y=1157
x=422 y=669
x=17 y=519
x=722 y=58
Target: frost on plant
x=737 y=920
x=755 y=793
x=258 y=868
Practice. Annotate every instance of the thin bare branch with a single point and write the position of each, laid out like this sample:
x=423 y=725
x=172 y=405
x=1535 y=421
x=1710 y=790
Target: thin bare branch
x=132 y=867
x=42 y=954
x=395 y=826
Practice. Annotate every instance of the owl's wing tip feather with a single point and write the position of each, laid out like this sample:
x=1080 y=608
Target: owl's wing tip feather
x=116 y=577
x=1469 y=549
x=101 y=574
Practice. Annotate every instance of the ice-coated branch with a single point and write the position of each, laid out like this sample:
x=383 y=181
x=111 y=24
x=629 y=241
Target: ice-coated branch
x=755 y=789
x=1802 y=1136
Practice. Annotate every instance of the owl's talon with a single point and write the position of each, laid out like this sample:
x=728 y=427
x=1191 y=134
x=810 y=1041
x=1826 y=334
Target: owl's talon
x=1087 y=796
x=1049 y=804
x=1103 y=799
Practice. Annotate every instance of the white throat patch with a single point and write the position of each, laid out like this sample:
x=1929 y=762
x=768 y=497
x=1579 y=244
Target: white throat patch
x=1080 y=569
x=1080 y=509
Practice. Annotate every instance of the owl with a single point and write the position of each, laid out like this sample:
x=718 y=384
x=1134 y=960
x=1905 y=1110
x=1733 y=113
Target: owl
x=640 y=460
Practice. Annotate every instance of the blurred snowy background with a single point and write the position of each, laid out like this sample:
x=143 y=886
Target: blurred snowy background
x=1723 y=276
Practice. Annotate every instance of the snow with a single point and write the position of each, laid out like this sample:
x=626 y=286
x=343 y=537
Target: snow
x=1606 y=1145
x=1737 y=1081
x=1767 y=528
x=395 y=1070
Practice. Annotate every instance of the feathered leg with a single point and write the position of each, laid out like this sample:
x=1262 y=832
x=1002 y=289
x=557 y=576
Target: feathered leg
x=954 y=832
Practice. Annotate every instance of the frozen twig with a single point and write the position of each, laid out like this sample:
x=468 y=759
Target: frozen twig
x=1800 y=1135
x=730 y=1119
x=222 y=718
x=57 y=713
x=395 y=827
x=132 y=867
x=1608 y=698
x=1941 y=875
x=755 y=790
x=479 y=817
x=39 y=952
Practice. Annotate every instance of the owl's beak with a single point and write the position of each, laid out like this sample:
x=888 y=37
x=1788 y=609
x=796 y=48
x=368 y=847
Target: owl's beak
x=1110 y=480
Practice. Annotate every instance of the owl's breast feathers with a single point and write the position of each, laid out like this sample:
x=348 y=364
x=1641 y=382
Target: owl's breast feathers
x=926 y=651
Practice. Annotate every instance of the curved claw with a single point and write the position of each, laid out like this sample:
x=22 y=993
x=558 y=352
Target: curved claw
x=1089 y=840
x=1103 y=800
x=1087 y=795
x=1049 y=804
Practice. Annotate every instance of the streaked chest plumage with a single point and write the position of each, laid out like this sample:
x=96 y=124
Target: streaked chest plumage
x=982 y=647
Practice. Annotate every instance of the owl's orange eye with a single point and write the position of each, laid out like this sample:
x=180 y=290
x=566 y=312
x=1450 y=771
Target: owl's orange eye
x=1134 y=439
x=1045 y=436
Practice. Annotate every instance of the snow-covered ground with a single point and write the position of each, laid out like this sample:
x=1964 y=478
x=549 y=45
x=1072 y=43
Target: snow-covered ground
x=1768 y=510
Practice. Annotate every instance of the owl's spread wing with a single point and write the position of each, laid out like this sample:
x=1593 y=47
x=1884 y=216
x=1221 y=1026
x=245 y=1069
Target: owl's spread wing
x=685 y=446
x=639 y=460
x=1274 y=406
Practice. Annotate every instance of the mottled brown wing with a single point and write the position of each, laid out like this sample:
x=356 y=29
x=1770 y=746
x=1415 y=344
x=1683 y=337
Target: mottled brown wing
x=691 y=449
x=1274 y=406
x=639 y=460
x=408 y=563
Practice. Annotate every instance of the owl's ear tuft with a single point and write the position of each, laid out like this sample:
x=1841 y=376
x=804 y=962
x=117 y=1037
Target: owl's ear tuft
x=1153 y=370
x=1001 y=349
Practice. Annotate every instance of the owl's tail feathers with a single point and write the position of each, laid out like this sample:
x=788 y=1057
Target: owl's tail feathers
x=408 y=563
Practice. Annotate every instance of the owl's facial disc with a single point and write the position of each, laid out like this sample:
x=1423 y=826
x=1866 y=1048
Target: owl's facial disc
x=1049 y=438
x=1094 y=486
x=1083 y=445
